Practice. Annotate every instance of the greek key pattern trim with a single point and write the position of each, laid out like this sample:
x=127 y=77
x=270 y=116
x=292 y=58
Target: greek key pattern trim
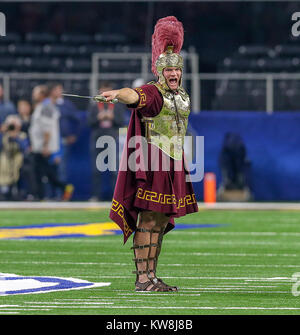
x=142 y=95
x=165 y=199
x=119 y=209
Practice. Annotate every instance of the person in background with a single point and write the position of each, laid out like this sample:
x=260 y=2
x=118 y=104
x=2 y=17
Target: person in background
x=24 y=110
x=69 y=123
x=235 y=169
x=138 y=83
x=6 y=107
x=27 y=178
x=104 y=119
x=232 y=160
x=45 y=141
x=13 y=145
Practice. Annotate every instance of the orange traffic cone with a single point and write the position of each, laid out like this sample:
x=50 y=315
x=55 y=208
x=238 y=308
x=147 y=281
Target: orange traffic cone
x=210 y=188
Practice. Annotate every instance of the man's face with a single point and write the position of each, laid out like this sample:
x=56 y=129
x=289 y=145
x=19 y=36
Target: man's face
x=24 y=108
x=172 y=76
x=37 y=95
x=57 y=92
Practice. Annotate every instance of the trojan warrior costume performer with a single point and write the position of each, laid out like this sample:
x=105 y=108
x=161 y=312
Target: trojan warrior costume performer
x=146 y=200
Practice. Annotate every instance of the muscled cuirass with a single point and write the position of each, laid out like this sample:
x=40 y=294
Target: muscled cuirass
x=168 y=128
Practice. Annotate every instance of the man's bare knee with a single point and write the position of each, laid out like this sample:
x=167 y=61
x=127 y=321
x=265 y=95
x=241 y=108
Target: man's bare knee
x=150 y=219
x=162 y=220
x=147 y=220
x=148 y=216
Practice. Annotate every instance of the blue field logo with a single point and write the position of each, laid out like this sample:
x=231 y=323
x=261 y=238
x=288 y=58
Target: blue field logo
x=11 y=284
x=59 y=230
x=67 y=230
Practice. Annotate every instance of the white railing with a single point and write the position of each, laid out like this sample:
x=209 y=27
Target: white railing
x=194 y=78
x=269 y=78
x=7 y=77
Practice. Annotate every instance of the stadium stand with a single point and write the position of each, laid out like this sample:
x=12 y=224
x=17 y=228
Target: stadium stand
x=251 y=94
x=71 y=53
x=41 y=52
x=60 y=40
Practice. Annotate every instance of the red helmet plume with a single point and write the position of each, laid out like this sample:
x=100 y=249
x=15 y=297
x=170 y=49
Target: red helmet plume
x=168 y=31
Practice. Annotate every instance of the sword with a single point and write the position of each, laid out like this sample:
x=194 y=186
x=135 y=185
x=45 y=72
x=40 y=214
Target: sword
x=97 y=98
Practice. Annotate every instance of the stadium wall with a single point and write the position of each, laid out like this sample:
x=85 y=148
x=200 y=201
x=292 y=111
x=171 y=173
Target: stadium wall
x=272 y=143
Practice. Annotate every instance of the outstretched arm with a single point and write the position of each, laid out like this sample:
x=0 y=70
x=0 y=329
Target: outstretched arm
x=125 y=95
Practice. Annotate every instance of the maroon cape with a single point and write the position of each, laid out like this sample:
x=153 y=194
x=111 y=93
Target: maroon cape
x=162 y=191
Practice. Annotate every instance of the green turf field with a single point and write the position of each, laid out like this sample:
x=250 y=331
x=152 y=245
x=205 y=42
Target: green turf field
x=244 y=267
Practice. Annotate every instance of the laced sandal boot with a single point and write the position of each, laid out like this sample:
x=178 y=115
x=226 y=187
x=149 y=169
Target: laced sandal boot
x=151 y=284
x=168 y=287
x=158 y=250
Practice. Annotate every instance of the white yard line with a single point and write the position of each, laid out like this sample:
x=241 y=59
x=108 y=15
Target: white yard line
x=70 y=303
x=234 y=278
x=38 y=252
x=239 y=265
x=227 y=242
x=171 y=307
x=100 y=205
x=24 y=309
x=29 y=252
x=188 y=254
x=233 y=254
x=205 y=290
x=229 y=233
x=230 y=286
x=179 y=242
x=51 y=306
x=161 y=264
x=53 y=205
x=274 y=279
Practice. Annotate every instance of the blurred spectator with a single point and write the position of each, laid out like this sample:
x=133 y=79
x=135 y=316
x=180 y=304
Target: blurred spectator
x=232 y=161
x=13 y=145
x=6 y=107
x=27 y=177
x=24 y=110
x=138 y=82
x=45 y=142
x=104 y=119
x=234 y=168
x=69 y=125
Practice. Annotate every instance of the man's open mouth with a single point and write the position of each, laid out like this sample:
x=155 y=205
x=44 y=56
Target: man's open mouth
x=173 y=81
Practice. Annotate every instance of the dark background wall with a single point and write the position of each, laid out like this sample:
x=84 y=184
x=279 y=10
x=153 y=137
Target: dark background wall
x=272 y=143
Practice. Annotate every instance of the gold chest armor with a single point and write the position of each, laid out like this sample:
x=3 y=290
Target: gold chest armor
x=168 y=128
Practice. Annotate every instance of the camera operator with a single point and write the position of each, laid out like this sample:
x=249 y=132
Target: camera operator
x=13 y=145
